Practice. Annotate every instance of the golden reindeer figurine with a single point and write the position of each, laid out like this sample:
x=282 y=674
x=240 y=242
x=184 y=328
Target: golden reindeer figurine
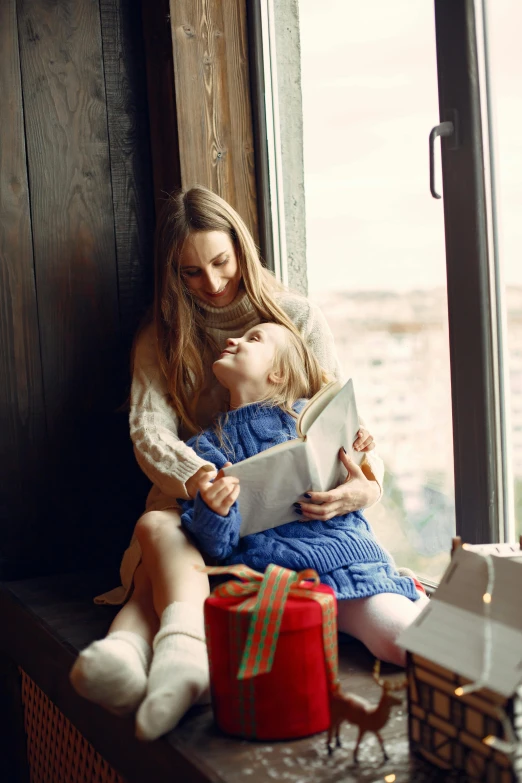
x=359 y=712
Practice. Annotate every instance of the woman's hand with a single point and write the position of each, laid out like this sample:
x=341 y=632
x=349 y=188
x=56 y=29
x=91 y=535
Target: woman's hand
x=363 y=441
x=219 y=491
x=354 y=493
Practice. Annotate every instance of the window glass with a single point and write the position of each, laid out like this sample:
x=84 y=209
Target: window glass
x=375 y=251
x=505 y=62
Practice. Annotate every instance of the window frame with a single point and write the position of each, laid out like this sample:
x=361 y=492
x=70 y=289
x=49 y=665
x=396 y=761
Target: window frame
x=267 y=141
x=473 y=292
x=481 y=459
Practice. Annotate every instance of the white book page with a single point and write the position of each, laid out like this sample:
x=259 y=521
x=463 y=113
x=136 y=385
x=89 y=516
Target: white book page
x=270 y=486
x=336 y=426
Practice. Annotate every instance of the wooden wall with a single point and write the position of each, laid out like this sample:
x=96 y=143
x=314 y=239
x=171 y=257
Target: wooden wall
x=76 y=221
x=199 y=99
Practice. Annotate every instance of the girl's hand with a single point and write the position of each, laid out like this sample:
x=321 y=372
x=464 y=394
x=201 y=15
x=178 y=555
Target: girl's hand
x=354 y=493
x=218 y=491
x=363 y=441
x=191 y=484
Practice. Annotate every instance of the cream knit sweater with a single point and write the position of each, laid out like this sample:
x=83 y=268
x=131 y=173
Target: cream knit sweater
x=154 y=427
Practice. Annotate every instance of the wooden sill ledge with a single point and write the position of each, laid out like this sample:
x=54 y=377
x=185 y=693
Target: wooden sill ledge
x=51 y=618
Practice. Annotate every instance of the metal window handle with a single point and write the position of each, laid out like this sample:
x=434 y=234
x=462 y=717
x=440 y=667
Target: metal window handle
x=444 y=129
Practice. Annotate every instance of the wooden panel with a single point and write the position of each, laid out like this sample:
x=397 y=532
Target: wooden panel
x=126 y=94
x=162 y=99
x=22 y=416
x=74 y=249
x=131 y=178
x=213 y=100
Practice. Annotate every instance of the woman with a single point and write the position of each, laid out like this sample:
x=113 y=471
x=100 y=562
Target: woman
x=210 y=286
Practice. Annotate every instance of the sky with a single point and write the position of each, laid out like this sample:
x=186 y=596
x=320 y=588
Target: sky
x=369 y=102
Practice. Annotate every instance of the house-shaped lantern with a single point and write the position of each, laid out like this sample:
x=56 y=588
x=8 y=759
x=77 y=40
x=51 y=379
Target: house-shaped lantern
x=468 y=636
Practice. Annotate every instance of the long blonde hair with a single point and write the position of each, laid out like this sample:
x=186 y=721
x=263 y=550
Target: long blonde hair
x=184 y=347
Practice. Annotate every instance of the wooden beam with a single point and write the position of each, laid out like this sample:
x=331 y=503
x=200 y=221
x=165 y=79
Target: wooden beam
x=129 y=146
x=74 y=251
x=213 y=108
x=162 y=100
x=23 y=438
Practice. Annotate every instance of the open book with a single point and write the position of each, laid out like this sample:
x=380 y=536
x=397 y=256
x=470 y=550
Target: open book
x=273 y=480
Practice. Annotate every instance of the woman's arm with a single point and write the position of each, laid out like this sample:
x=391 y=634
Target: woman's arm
x=165 y=459
x=365 y=486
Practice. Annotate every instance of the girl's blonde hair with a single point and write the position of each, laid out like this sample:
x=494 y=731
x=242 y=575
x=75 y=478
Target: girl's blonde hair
x=299 y=375
x=184 y=347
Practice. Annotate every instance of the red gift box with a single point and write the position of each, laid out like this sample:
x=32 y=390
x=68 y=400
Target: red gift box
x=272 y=643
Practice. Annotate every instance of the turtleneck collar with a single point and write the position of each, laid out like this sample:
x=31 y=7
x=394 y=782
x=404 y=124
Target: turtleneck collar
x=259 y=409
x=249 y=411
x=221 y=317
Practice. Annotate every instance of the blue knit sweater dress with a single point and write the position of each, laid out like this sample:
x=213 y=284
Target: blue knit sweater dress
x=342 y=550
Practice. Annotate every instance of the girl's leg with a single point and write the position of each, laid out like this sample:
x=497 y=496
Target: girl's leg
x=378 y=621
x=178 y=675
x=113 y=672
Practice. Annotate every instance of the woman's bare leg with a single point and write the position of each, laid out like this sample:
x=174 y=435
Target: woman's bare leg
x=113 y=671
x=138 y=614
x=166 y=607
x=178 y=675
x=170 y=560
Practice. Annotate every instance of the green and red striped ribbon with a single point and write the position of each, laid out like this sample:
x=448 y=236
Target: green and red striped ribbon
x=266 y=603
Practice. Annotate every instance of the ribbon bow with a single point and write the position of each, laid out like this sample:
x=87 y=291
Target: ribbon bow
x=267 y=594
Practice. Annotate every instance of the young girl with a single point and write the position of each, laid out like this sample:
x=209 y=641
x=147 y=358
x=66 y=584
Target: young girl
x=210 y=286
x=267 y=373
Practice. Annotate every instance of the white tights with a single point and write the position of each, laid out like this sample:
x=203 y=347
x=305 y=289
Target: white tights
x=378 y=621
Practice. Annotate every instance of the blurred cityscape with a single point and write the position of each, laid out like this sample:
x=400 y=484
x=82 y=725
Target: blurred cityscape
x=395 y=347
x=376 y=260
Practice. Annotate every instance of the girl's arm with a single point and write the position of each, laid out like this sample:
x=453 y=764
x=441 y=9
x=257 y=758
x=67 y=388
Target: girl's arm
x=213 y=518
x=165 y=459
x=216 y=535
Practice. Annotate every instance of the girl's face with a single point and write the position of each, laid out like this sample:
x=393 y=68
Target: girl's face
x=248 y=362
x=209 y=267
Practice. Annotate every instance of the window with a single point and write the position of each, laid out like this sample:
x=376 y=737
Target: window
x=504 y=18
x=375 y=252
x=411 y=285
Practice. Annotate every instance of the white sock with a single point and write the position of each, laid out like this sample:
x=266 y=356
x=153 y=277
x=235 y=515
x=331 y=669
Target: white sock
x=178 y=675
x=113 y=671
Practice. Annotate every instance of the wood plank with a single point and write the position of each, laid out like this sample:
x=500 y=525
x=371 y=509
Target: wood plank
x=129 y=144
x=133 y=205
x=74 y=250
x=23 y=431
x=161 y=98
x=209 y=40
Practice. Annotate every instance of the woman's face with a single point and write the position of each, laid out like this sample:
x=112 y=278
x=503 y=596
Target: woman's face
x=209 y=267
